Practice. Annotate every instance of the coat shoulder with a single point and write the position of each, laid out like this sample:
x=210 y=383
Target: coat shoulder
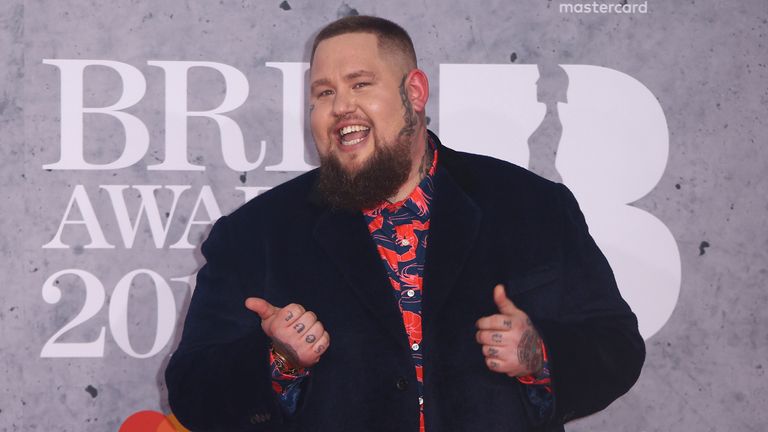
x=487 y=178
x=283 y=201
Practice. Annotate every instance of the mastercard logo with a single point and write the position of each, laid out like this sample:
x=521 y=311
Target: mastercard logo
x=152 y=421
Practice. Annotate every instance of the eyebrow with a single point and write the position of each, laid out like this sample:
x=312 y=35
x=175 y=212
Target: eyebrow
x=360 y=74
x=348 y=77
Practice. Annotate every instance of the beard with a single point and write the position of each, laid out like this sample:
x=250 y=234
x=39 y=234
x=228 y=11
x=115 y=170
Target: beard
x=379 y=178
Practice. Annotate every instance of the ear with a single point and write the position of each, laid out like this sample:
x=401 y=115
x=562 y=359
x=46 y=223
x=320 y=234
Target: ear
x=418 y=89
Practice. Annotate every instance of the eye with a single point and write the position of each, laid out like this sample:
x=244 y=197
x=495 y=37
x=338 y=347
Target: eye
x=325 y=93
x=361 y=85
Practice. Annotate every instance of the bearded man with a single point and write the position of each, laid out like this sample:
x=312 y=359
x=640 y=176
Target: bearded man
x=402 y=286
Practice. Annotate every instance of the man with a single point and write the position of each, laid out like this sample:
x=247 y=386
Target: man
x=402 y=286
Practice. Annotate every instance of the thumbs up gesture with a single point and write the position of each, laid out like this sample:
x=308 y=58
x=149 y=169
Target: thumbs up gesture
x=296 y=333
x=510 y=343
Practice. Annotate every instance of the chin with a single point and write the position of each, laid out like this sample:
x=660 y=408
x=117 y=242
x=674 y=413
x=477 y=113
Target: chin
x=352 y=168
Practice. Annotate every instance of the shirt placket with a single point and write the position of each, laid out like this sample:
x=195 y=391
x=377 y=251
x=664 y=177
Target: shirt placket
x=408 y=293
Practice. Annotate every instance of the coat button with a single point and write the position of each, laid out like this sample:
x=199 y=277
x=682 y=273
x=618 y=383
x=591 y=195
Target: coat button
x=401 y=384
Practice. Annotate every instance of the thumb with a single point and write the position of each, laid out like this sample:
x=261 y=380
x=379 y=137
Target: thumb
x=261 y=307
x=504 y=304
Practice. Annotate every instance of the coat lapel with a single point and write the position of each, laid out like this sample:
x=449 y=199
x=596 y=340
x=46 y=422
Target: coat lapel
x=348 y=243
x=454 y=225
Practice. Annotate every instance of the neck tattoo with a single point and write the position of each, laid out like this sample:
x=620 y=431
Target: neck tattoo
x=426 y=160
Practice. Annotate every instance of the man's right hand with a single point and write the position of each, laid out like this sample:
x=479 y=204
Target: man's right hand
x=295 y=332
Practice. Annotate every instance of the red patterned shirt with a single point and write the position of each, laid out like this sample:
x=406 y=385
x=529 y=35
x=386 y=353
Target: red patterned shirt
x=400 y=231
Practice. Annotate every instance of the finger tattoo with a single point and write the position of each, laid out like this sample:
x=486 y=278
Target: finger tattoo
x=508 y=324
x=289 y=316
x=310 y=338
x=299 y=327
x=493 y=365
x=492 y=352
x=319 y=348
x=496 y=337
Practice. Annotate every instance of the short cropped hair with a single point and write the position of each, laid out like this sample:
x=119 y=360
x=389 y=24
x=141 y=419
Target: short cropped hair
x=390 y=35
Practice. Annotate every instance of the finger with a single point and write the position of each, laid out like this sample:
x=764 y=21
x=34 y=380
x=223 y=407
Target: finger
x=313 y=334
x=322 y=343
x=492 y=337
x=495 y=322
x=503 y=302
x=490 y=351
x=304 y=322
x=496 y=364
x=290 y=313
x=261 y=307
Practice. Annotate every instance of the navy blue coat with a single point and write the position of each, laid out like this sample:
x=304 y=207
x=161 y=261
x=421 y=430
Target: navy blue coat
x=491 y=222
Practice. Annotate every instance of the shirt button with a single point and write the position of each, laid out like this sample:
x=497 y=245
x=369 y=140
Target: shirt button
x=405 y=242
x=421 y=400
x=401 y=384
x=415 y=347
x=410 y=293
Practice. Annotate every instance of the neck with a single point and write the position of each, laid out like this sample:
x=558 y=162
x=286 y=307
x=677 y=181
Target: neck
x=421 y=158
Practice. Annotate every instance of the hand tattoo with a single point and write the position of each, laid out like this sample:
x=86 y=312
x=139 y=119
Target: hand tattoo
x=496 y=337
x=492 y=352
x=310 y=338
x=508 y=324
x=529 y=350
x=289 y=316
x=299 y=327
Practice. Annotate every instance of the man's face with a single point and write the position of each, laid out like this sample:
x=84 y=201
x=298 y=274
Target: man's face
x=356 y=102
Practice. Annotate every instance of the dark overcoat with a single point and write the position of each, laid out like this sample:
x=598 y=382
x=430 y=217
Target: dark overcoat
x=491 y=222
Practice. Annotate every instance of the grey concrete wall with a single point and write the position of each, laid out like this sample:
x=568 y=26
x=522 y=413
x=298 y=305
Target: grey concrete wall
x=705 y=61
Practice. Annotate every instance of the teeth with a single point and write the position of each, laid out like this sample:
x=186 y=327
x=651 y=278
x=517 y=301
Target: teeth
x=354 y=128
x=353 y=142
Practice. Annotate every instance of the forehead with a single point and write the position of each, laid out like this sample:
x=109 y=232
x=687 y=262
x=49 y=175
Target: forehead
x=346 y=53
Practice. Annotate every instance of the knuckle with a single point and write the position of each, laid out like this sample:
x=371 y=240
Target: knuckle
x=318 y=329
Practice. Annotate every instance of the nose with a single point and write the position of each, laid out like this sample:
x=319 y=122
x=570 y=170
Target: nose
x=343 y=103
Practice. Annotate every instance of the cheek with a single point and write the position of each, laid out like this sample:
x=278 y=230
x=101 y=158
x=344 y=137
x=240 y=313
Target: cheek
x=388 y=110
x=319 y=130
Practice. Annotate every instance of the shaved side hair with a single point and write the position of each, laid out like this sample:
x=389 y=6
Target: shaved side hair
x=391 y=37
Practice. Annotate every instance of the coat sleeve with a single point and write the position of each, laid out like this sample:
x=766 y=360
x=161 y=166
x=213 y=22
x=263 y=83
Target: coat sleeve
x=218 y=379
x=595 y=349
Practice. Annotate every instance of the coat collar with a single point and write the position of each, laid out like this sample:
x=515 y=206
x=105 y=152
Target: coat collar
x=454 y=224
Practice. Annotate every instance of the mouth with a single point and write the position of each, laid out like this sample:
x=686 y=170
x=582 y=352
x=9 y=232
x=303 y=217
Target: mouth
x=353 y=134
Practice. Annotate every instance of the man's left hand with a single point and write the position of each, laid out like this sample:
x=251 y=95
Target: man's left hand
x=510 y=343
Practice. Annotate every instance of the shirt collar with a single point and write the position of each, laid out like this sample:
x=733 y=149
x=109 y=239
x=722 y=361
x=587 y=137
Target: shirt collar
x=418 y=202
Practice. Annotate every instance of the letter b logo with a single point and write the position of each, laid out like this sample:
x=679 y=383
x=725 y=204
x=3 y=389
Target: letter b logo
x=613 y=151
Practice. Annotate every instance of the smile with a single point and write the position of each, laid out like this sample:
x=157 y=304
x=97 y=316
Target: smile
x=353 y=134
